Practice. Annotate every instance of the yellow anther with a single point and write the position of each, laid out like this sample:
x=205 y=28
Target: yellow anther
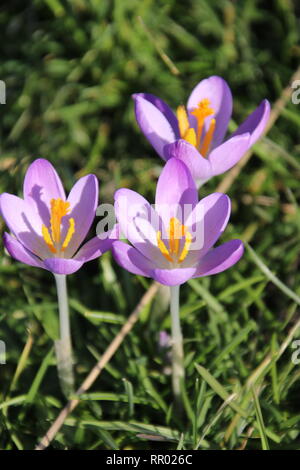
x=190 y=136
x=183 y=122
x=69 y=235
x=48 y=239
x=163 y=249
x=202 y=111
x=208 y=138
x=59 y=209
x=186 y=247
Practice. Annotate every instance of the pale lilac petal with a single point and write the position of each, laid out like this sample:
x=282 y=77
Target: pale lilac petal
x=218 y=92
x=83 y=199
x=94 y=248
x=24 y=222
x=19 y=252
x=173 y=277
x=41 y=184
x=153 y=123
x=255 y=123
x=221 y=258
x=229 y=153
x=143 y=236
x=206 y=224
x=199 y=166
x=131 y=259
x=162 y=106
x=62 y=265
x=176 y=192
x=129 y=206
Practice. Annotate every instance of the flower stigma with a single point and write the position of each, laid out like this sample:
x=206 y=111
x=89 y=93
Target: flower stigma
x=176 y=232
x=58 y=210
x=201 y=112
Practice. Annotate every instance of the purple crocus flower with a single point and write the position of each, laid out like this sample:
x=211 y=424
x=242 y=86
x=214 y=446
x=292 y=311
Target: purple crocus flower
x=173 y=241
x=49 y=228
x=196 y=134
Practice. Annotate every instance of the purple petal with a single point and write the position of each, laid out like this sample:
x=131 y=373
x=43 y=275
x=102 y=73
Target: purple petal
x=221 y=258
x=93 y=249
x=229 y=153
x=255 y=123
x=176 y=192
x=153 y=123
x=129 y=206
x=131 y=259
x=19 y=252
x=24 y=222
x=218 y=92
x=83 y=200
x=162 y=106
x=199 y=166
x=41 y=184
x=206 y=224
x=173 y=277
x=62 y=265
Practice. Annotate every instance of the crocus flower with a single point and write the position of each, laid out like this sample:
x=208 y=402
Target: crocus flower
x=48 y=228
x=196 y=133
x=173 y=241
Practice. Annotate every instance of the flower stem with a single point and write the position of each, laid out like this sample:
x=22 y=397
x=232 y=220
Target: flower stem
x=177 y=347
x=63 y=346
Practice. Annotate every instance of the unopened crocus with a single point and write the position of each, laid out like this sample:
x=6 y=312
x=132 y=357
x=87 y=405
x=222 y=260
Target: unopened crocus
x=196 y=133
x=47 y=230
x=173 y=241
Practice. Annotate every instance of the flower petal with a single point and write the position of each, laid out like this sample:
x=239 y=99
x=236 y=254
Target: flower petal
x=130 y=205
x=218 y=92
x=221 y=258
x=62 y=265
x=199 y=166
x=94 y=248
x=154 y=124
x=24 y=222
x=131 y=259
x=19 y=252
x=229 y=153
x=163 y=107
x=83 y=199
x=173 y=277
x=206 y=224
x=256 y=122
x=176 y=192
x=41 y=184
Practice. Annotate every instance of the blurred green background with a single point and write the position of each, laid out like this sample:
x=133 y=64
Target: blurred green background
x=70 y=68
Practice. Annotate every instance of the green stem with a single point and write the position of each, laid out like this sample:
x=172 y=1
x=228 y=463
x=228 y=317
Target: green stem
x=63 y=346
x=177 y=346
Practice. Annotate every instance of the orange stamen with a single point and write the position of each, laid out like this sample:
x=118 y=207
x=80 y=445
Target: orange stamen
x=48 y=239
x=69 y=235
x=163 y=249
x=183 y=122
x=58 y=210
x=201 y=113
x=176 y=232
x=208 y=138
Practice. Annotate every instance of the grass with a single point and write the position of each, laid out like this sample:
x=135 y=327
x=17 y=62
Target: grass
x=70 y=68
